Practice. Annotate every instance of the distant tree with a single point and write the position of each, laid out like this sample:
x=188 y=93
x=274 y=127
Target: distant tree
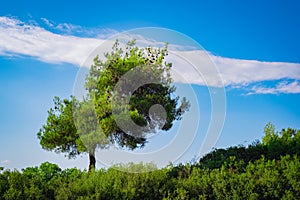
x=270 y=133
x=279 y=143
x=116 y=109
x=274 y=145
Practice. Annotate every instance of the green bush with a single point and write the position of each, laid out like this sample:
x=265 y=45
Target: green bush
x=253 y=172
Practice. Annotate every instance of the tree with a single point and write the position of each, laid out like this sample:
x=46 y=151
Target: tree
x=270 y=133
x=130 y=95
x=280 y=143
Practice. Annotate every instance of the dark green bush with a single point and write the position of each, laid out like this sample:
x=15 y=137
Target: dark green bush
x=267 y=170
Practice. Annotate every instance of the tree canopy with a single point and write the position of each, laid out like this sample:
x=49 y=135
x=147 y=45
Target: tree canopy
x=130 y=94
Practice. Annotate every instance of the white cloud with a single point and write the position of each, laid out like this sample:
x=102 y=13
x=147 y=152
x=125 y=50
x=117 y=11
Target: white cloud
x=47 y=22
x=76 y=30
x=282 y=87
x=6 y=161
x=236 y=71
x=19 y=38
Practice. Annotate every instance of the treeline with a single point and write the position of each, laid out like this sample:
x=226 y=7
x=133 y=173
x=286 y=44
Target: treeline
x=266 y=170
x=262 y=179
x=273 y=146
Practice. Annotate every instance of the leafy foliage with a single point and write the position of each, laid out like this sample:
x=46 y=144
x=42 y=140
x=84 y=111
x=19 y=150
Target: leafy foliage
x=262 y=179
x=60 y=133
x=274 y=145
x=235 y=178
x=108 y=88
x=75 y=127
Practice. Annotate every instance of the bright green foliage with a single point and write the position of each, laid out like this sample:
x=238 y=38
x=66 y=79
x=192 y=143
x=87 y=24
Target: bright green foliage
x=280 y=143
x=60 y=133
x=75 y=127
x=262 y=179
x=47 y=181
x=235 y=178
x=274 y=145
x=88 y=127
x=270 y=134
x=108 y=89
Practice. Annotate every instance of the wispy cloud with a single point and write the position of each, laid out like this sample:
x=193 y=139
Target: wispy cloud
x=19 y=38
x=6 y=161
x=48 y=22
x=284 y=87
x=76 y=30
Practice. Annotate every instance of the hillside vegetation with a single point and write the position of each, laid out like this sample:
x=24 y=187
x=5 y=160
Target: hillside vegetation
x=264 y=170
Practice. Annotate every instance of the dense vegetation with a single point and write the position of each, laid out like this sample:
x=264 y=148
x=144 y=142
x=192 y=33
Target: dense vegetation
x=267 y=170
x=125 y=96
x=273 y=146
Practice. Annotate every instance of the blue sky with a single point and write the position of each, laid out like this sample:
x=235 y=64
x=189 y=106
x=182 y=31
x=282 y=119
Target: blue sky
x=42 y=45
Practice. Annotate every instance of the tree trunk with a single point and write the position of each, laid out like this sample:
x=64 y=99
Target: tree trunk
x=92 y=161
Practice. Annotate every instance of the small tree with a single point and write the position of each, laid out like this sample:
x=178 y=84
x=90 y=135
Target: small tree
x=118 y=108
x=270 y=134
